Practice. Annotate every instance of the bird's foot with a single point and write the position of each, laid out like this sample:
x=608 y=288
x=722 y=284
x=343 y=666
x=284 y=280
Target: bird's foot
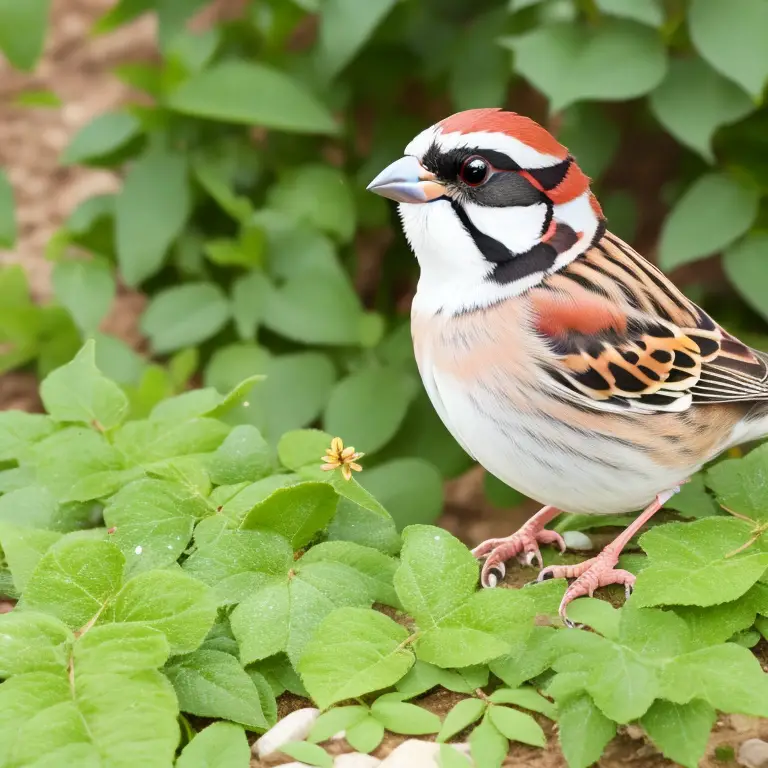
x=523 y=544
x=599 y=571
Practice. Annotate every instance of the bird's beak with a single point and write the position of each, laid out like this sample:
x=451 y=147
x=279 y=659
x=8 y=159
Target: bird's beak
x=407 y=181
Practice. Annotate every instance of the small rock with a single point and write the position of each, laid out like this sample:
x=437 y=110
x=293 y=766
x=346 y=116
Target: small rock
x=418 y=754
x=743 y=723
x=577 y=540
x=356 y=760
x=293 y=727
x=634 y=732
x=753 y=753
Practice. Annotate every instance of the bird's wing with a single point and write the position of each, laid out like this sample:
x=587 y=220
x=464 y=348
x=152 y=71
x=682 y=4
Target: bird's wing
x=624 y=337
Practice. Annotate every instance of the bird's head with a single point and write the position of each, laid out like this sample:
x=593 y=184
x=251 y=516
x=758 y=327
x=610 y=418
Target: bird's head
x=490 y=202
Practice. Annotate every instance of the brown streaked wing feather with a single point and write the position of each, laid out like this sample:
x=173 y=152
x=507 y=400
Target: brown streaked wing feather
x=625 y=335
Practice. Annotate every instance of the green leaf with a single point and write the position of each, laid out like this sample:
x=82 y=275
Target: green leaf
x=345 y=27
x=436 y=583
x=213 y=684
x=597 y=614
x=78 y=464
x=249 y=294
x=526 y=697
x=479 y=72
x=153 y=522
x=119 y=648
x=451 y=758
x=687 y=236
x=694 y=101
x=692 y=563
x=311 y=754
x=315 y=311
x=8 y=229
x=489 y=747
x=744 y=264
x=319 y=195
x=517 y=726
x=368 y=565
x=104 y=135
x=184 y=316
x=730 y=39
x=75 y=580
x=239 y=563
x=255 y=94
x=400 y=717
x=693 y=500
x=243 y=456
x=739 y=484
x=168 y=445
x=366 y=735
x=680 y=731
x=410 y=489
x=367 y=408
x=220 y=745
x=33 y=642
x=615 y=61
x=465 y=713
x=367 y=525
x=297 y=513
x=648 y=12
x=618 y=675
x=22 y=31
x=86 y=289
x=150 y=211
x=591 y=137
x=18 y=430
x=118 y=361
x=174 y=603
x=296 y=609
x=335 y=720
x=301 y=447
x=718 y=623
x=353 y=652
x=727 y=676
x=79 y=392
x=23 y=548
x=584 y=731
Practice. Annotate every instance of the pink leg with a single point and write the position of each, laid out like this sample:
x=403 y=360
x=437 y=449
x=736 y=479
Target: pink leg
x=599 y=571
x=523 y=544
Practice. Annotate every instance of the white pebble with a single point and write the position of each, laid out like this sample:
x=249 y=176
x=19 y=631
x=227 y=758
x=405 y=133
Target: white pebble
x=753 y=753
x=293 y=727
x=577 y=540
x=413 y=753
x=355 y=760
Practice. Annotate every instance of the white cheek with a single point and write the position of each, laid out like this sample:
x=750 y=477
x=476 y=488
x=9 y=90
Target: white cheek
x=444 y=249
x=519 y=227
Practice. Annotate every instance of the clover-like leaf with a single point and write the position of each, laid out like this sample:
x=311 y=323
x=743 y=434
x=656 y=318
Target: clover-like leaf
x=78 y=392
x=697 y=563
x=353 y=652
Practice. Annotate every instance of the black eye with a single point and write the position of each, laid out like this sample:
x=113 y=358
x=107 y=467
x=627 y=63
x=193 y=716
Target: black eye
x=474 y=171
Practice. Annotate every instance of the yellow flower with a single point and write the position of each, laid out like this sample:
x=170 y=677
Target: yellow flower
x=339 y=456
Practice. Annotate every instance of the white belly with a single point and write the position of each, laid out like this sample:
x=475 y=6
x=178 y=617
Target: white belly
x=534 y=455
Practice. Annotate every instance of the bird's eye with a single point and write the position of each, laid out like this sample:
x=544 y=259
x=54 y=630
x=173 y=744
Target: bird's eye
x=474 y=171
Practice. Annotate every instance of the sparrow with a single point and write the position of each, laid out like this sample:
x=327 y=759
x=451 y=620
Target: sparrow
x=559 y=358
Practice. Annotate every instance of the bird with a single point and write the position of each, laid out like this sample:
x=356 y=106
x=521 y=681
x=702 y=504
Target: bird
x=558 y=357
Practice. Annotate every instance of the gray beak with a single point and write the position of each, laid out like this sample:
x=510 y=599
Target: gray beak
x=407 y=181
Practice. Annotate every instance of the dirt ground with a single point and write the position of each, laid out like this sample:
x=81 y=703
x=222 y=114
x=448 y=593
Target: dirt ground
x=77 y=68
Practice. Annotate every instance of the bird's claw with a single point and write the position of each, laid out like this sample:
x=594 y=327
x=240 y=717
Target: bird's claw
x=599 y=571
x=524 y=545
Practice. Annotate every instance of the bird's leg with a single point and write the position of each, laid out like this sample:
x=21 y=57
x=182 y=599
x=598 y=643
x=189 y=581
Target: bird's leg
x=523 y=544
x=600 y=571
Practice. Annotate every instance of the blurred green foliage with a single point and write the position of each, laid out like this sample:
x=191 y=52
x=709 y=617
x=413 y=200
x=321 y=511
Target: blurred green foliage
x=243 y=214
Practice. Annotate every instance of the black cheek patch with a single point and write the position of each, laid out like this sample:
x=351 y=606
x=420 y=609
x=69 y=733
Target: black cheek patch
x=504 y=190
x=550 y=177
